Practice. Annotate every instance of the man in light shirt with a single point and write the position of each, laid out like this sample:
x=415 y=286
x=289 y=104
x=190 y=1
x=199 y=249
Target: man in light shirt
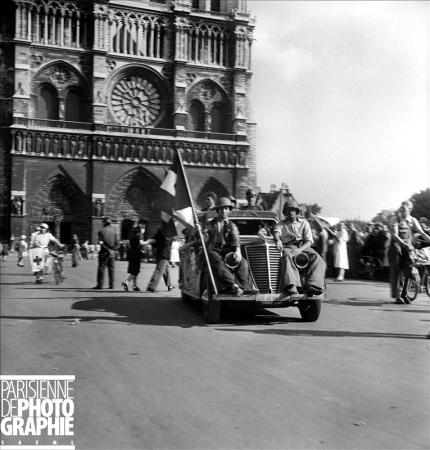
x=402 y=254
x=294 y=236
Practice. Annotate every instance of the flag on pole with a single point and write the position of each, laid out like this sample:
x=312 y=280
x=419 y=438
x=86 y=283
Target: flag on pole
x=174 y=200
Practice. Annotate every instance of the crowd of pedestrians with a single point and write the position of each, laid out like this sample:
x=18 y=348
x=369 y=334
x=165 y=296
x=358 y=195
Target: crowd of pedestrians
x=363 y=251
x=350 y=249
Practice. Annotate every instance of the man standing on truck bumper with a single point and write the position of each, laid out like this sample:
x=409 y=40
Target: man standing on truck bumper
x=294 y=236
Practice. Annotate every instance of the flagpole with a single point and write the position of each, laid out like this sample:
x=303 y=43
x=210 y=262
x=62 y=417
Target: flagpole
x=199 y=228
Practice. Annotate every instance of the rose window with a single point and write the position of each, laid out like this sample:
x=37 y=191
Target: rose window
x=135 y=101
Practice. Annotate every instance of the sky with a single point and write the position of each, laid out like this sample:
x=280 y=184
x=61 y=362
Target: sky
x=341 y=96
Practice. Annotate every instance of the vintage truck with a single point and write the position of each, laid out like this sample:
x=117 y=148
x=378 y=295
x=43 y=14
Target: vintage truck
x=264 y=260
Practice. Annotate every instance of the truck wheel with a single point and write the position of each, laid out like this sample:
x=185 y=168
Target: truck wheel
x=310 y=310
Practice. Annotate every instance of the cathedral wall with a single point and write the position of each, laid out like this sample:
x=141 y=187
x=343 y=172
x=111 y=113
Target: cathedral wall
x=103 y=162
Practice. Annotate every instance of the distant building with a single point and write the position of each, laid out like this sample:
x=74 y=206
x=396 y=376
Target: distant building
x=97 y=96
x=275 y=199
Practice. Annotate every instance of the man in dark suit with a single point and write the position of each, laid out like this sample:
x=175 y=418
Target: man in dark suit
x=108 y=241
x=162 y=246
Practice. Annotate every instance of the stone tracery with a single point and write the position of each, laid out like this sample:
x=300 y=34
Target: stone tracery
x=136 y=101
x=136 y=34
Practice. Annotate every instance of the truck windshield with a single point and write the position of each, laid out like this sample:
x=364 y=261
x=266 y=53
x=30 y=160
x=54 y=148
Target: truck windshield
x=252 y=226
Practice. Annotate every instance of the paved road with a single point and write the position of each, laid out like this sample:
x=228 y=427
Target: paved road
x=150 y=373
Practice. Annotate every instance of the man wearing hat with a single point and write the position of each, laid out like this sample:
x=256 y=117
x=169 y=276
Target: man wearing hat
x=42 y=239
x=108 y=241
x=223 y=238
x=294 y=236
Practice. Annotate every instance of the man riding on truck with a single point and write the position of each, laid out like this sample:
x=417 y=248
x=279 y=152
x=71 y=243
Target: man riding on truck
x=292 y=237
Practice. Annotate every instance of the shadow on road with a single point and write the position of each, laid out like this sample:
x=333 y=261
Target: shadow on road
x=356 y=301
x=172 y=312
x=425 y=311
x=377 y=283
x=156 y=311
x=328 y=333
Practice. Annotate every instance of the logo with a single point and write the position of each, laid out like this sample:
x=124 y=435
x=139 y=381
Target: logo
x=37 y=412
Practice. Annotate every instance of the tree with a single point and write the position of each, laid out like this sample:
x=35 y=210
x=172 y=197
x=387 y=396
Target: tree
x=308 y=209
x=421 y=201
x=385 y=216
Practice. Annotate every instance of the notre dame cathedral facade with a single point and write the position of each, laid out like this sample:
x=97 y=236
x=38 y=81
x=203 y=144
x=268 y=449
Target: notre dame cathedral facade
x=96 y=96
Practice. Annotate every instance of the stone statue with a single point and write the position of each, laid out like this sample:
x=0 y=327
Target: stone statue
x=17 y=205
x=98 y=208
x=73 y=146
x=38 y=143
x=28 y=143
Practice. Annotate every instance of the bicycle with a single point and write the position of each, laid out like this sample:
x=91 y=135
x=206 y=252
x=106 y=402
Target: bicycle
x=57 y=266
x=425 y=278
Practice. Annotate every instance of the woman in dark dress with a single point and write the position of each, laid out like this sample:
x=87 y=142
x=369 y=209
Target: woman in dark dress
x=137 y=240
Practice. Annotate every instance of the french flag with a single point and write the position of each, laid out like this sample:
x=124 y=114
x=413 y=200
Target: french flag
x=175 y=202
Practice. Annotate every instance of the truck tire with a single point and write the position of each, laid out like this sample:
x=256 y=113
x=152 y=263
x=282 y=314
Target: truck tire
x=310 y=310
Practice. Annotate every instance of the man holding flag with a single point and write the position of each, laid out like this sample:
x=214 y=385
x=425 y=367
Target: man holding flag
x=176 y=205
x=175 y=200
x=224 y=245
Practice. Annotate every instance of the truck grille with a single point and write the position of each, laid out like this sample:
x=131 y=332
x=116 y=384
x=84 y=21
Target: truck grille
x=264 y=261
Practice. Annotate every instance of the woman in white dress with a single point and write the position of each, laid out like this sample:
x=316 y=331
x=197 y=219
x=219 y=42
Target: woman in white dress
x=340 y=250
x=42 y=239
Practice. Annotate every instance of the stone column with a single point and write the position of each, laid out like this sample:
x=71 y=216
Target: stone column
x=62 y=29
x=29 y=30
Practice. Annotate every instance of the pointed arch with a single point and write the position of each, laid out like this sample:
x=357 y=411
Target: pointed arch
x=47 y=102
x=211 y=185
x=216 y=104
x=75 y=107
x=52 y=84
x=196 y=116
x=60 y=202
x=132 y=197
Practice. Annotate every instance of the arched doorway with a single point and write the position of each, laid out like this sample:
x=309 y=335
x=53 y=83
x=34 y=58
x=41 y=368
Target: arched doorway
x=61 y=204
x=133 y=197
x=211 y=185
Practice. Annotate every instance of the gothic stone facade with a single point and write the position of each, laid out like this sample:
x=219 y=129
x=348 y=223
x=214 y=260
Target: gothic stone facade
x=97 y=96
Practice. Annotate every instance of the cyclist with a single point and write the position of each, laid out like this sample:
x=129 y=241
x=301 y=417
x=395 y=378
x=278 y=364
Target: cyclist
x=42 y=239
x=403 y=229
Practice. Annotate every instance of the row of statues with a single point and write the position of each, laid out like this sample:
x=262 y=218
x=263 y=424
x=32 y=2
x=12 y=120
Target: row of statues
x=125 y=149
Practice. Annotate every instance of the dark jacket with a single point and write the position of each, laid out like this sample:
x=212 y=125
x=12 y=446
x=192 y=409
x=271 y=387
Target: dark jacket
x=224 y=241
x=109 y=237
x=162 y=246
